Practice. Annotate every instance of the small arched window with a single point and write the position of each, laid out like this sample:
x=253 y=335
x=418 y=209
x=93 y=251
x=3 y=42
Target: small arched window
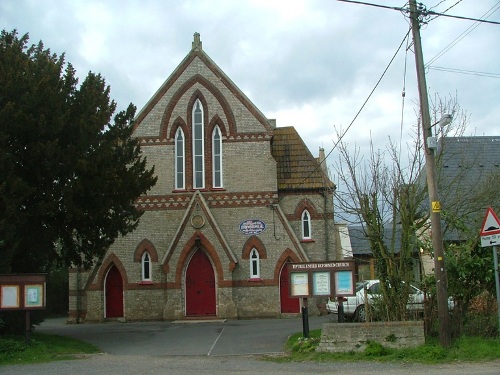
x=254 y=264
x=306 y=225
x=179 y=160
x=146 y=267
x=217 y=157
x=198 y=147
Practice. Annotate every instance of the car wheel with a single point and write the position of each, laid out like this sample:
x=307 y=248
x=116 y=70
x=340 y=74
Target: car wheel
x=360 y=314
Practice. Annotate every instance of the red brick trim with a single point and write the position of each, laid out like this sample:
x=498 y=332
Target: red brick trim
x=239 y=137
x=218 y=72
x=208 y=248
x=178 y=123
x=219 y=198
x=142 y=247
x=111 y=260
x=252 y=283
x=253 y=242
x=307 y=240
x=288 y=255
x=305 y=204
x=197 y=78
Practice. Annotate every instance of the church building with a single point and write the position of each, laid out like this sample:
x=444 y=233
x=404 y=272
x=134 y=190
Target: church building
x=237 y=198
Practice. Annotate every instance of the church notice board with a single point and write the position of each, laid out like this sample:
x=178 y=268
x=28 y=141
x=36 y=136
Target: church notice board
x=322 y=279
x=22 y=292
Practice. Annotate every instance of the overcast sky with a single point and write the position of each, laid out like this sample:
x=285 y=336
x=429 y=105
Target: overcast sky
x=310 y=64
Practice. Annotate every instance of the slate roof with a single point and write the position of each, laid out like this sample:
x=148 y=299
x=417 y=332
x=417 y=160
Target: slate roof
x=361 y=245
x=297 y=167
x=480 y=155
x=468 y=171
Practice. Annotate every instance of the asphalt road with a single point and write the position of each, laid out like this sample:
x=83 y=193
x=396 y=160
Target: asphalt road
x=230 y=347
x=198 y=338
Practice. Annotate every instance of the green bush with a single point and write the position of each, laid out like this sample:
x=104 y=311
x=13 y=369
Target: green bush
x=305 y=345
x=57 y=291
x=11 y=346
x=375 y=349
x=14 y=322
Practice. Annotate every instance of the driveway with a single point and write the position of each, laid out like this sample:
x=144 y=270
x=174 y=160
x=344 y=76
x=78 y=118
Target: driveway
x=206 y=338
x=209 y=348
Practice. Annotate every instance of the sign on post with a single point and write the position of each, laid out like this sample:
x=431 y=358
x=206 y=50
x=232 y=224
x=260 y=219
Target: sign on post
x=23 y=292
x=322 y=279
x=490 y=230
x=490 y=236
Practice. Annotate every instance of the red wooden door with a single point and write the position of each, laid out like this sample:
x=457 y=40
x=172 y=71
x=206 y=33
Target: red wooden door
x=200 y=286
x=288 y=305
x=114 y=294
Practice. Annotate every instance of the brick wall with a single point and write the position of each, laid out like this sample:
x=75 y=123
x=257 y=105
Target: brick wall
x=249 y=192
x=347 y=337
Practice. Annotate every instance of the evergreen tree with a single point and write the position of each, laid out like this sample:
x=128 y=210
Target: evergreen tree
x=69 y=176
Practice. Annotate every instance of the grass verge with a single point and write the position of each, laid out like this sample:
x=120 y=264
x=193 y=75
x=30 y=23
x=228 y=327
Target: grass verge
x=42 y=348
x=465 y=349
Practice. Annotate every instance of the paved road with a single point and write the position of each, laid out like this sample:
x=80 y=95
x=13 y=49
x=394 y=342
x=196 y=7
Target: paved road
x=214 y=338
x=223 y=348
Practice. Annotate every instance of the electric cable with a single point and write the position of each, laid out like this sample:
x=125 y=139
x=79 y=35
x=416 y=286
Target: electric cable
x=464 y=34
x=359 y=111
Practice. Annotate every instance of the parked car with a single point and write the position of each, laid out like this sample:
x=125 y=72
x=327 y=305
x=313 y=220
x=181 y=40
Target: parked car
x=354 y=306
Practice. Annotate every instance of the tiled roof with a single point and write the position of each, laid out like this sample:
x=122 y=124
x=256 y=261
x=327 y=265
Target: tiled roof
x=297 y=167
x=468 y=172
x=361 y=245
x=480 y=156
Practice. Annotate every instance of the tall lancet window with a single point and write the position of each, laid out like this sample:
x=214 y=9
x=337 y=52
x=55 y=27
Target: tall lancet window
x=198 y=149
x=306 y=225
x=180 y=180
x=217 y=158
x=254 y=264
x=146 y=267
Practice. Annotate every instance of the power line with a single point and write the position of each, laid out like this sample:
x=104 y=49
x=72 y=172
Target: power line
x=373 y=5
x=423 y=11
x=431 y=13
x=464 y=34
x=463 y=71
x=361 y=109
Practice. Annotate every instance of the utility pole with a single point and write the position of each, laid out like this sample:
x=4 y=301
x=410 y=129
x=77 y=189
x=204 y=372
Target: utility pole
x=435 y=205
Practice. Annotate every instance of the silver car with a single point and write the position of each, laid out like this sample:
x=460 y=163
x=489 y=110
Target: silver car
x=354 y=306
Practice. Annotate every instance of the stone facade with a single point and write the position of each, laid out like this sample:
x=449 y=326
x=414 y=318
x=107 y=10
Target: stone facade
x=160 y=270
x=353 y=337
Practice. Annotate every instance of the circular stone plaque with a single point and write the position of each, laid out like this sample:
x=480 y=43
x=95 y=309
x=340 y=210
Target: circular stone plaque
x=197 y=221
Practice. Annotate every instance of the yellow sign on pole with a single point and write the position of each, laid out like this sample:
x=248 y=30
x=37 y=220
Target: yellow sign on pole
x=436 y=206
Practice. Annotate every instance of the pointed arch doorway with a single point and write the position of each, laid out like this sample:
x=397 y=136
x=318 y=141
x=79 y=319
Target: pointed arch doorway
x=114 y=293
x=200 y=286
x=288 y=305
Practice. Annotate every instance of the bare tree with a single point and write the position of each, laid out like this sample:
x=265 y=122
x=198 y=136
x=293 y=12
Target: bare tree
x=385 y=194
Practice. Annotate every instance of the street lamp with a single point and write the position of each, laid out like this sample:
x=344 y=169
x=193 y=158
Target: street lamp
x=432 y=141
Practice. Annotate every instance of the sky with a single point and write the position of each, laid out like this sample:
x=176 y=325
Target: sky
x=306 y=63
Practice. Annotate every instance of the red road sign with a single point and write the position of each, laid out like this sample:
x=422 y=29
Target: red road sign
x=491 y=223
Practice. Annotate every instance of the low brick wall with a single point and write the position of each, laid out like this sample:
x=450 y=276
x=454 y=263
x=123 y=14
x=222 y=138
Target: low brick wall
x=347 y=337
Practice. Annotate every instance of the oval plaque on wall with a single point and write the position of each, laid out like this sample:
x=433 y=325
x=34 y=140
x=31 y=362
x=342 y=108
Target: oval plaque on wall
x=252 y=226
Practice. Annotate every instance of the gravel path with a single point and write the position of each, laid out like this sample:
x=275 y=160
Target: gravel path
x=105 y=364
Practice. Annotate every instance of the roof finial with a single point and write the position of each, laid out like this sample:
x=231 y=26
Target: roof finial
x=197 y=42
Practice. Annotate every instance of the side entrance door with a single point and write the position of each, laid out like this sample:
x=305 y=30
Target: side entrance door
x=114 y=293
x=288 y=305
x=200 y=286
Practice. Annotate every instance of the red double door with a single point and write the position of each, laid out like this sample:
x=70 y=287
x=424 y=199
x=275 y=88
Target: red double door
x=200 y=286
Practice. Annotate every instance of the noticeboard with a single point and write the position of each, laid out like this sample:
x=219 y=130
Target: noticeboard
x=322 y=279
x=22 y=292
